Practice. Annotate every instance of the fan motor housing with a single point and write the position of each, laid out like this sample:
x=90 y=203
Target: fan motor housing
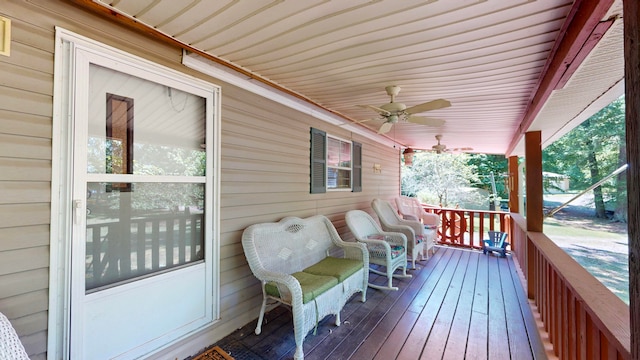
x=394 y=107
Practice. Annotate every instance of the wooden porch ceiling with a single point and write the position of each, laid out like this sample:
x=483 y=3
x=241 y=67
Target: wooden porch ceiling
x=459 y=304
x=507 y=67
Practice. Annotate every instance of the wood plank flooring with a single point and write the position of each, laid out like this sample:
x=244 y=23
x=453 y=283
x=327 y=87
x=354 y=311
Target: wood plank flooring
x=460 y=304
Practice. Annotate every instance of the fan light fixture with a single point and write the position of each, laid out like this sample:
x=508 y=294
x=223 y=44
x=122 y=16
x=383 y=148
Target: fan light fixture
x=408 y=154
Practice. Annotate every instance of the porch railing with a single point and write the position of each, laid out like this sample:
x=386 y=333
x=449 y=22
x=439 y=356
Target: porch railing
x=583 y=318
x=118 y=251
x=467 y=228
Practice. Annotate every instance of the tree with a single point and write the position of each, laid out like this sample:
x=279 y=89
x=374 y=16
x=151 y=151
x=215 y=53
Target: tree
x=599 y=144
x=439 y=178
x=487 y=164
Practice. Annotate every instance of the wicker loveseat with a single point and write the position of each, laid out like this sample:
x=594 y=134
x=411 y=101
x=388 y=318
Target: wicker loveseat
x=291 y=260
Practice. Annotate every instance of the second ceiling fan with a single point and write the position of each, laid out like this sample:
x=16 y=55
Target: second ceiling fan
x=393 y=112
x=442 y=148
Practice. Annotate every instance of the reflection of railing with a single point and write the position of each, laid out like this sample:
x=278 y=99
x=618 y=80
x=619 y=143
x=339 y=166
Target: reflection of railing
x=467 y=228
x=118 y=251
x=583 y=318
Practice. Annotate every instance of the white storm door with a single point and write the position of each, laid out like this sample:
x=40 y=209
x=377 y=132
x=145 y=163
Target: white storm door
x=142 y=250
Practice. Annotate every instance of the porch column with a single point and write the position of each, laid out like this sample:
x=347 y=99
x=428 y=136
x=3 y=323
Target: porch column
x=514 y=185
x=533 y=184
x=631 y=11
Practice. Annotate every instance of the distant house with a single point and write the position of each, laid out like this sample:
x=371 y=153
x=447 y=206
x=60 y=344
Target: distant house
x=555 y=183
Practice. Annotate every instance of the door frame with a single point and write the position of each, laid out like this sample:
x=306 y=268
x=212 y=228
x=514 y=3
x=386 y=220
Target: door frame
x=62 y=207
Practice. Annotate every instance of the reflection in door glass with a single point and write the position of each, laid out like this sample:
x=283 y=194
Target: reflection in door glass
x=137 y=229
x=142 y=128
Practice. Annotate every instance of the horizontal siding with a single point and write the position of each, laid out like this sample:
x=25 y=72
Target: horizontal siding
x=23 y=283
x=12 y=262
x=16 y=192
x=12 y=169
x=15 y=215
x=24 y=147
x=26 y=79
x=26 y=108
x=24 y=101
x=25 y=304
x=18 y=123
x=24 y=237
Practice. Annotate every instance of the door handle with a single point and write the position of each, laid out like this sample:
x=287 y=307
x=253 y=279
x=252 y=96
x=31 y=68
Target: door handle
x=77 y=205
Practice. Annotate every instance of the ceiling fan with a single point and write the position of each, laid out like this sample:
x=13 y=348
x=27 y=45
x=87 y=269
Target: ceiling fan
x=440 y=148
x=393 y=112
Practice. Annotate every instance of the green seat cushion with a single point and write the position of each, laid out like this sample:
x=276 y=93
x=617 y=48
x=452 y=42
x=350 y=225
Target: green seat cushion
x=339 y=268
x=312 y=285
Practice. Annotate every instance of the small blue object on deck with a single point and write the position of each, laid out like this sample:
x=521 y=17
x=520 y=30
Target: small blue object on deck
x=496 y=242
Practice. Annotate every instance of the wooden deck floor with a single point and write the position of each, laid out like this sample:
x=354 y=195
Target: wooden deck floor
x=459 y=304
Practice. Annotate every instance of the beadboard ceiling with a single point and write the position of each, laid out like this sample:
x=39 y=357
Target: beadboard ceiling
x=488 y=58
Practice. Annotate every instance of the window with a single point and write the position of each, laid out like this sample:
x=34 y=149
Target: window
x=336 y=164
x=146 y=178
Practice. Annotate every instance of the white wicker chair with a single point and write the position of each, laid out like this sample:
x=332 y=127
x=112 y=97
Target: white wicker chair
x=412 y=229
x=411 y=209
x=366 y=230
x=10 y=346
x=274 y=251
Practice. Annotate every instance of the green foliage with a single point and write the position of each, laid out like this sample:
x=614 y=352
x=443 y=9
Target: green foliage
x=487 y=164
x=439 y=178
x=591 y=151
x=604 y=132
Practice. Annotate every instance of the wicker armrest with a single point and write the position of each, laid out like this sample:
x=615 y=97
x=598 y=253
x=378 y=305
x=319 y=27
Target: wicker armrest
x=357 y=251
x=287 y=285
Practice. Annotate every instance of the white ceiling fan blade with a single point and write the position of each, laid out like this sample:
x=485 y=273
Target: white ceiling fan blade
x=361 y=121
x=430 y=105
x=425 y=121
x=385 y=128
x=376 y=109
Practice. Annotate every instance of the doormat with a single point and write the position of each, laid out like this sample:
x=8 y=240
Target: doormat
x=215 y=353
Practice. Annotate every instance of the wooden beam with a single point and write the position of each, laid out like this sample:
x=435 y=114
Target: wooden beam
x=533 y=182
x=631 y=11
x=579 y=35
x=514 y=185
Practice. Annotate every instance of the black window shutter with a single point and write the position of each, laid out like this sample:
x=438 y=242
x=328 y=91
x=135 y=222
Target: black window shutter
x=318 y=161
x=357 y=167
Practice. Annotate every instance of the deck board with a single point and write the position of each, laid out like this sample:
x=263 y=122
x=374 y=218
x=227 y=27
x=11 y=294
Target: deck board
x=462 y=318
x=477 y=339
x=459 y=304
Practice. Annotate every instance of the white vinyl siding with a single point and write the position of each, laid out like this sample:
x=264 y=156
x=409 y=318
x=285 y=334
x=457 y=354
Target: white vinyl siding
x=25 y=181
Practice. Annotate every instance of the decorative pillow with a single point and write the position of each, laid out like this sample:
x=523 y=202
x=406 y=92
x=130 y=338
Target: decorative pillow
x=377 y=237
x=419 y=239
x=378 y=251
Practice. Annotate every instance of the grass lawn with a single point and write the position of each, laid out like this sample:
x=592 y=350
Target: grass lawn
x=603 y=252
